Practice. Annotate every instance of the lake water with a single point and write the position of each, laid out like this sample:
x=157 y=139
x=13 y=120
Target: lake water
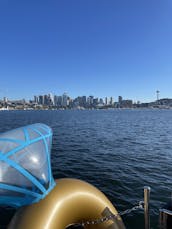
x=118 y=151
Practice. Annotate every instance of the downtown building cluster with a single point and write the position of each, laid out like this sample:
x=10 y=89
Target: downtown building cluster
x=64 y=101
x=50 y=101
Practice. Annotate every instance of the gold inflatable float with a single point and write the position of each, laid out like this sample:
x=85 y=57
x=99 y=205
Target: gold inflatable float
x=70 y=202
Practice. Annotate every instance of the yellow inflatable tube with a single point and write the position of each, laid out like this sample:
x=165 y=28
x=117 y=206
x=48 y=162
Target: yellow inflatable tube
x=71 y=201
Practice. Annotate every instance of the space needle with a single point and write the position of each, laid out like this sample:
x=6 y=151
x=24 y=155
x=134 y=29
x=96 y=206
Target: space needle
x=157 y=95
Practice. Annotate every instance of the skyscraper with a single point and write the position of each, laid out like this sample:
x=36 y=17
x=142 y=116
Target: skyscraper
x=64 y=100
x=111 y=101
x=119 y=99
x=106 y=101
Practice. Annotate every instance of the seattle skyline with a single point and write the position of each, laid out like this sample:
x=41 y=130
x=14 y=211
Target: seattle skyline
x=93 y=47
x=5 y=98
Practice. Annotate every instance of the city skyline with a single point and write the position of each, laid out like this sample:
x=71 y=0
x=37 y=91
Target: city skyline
x=64 y=101
x=51 y=98
x=156 y=97
x=95 y=47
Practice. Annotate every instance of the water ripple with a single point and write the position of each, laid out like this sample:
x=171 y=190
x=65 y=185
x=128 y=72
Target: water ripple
x=118 y=151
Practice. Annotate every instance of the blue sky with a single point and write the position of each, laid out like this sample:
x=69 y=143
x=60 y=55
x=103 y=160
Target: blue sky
x=86 y=47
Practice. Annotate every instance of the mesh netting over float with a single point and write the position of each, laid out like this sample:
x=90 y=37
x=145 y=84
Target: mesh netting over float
x=25 y=169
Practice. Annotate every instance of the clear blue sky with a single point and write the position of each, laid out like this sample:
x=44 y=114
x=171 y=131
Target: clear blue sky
x=86 y=47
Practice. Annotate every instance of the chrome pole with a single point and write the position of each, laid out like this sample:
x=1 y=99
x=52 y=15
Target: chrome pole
x=146 y=206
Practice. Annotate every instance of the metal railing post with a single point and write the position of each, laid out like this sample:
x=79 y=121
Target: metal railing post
x=163 y=216
x=162 y=219
x=146 y=206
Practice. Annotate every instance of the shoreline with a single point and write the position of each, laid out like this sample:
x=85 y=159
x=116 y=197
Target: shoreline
x=86 y=109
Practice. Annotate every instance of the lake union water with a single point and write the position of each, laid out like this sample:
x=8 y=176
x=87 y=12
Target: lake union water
x=118 y=151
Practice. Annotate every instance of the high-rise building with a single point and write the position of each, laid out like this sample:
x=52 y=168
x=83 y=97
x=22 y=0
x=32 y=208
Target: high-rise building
x=90 y=100
x=119 y=99
x=111 y=101
x=65 y=100
x=46 y=100
x=58 y=100
x=51 y=99
x=101 y=101
x=5 y=99
x=95 y=101
x=36 y=99
x=106 y=101
x=84 y=101
x=41 y=99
